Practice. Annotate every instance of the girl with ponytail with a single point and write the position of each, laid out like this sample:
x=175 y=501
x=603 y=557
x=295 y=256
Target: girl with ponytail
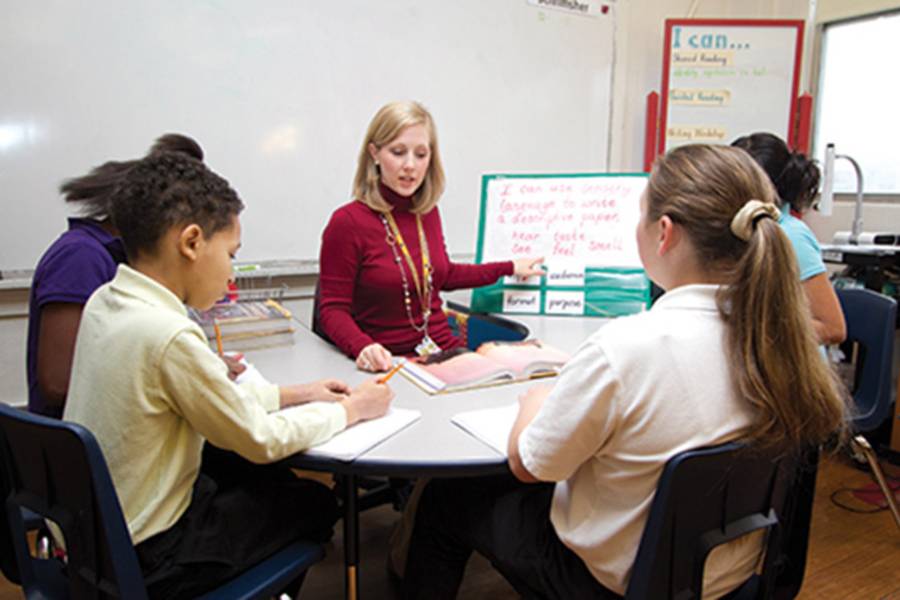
x=728 y=353
x=796 y=181
x=80 y=260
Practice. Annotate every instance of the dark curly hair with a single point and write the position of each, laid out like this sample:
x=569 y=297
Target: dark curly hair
x=796 y=177
x=92 y=191
x=166 y=189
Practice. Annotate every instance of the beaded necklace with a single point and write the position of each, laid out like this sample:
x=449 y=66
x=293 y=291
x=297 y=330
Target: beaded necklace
x=424 y=285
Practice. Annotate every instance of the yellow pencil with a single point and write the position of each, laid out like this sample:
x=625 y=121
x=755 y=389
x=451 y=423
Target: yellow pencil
x=391 y=373
x=218 y=337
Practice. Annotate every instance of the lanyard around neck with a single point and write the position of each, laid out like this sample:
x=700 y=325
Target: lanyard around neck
x=423 y=284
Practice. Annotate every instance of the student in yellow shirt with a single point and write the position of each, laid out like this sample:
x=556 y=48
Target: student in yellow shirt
x=146 y=383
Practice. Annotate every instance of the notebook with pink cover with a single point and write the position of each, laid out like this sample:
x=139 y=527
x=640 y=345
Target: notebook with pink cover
x=492 y=363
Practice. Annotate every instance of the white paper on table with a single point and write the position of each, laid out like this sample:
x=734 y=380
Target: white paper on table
x=362 y=437
x=490 y=425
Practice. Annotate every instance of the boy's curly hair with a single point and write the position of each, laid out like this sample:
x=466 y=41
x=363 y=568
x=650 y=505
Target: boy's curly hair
x=167 y=189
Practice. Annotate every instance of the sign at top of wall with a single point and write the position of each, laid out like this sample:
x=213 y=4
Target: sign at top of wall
x=582 y=8
x=726 y=78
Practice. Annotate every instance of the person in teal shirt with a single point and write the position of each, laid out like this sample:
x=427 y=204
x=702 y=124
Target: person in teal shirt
x=796 y=179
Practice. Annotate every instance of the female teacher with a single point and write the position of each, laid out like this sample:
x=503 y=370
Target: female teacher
x=383 y=258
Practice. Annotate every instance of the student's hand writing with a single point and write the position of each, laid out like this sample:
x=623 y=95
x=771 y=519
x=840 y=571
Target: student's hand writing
x=528 y=267
x=374 y=358
x=324 y=390
x=368 y=401
x=234 y=364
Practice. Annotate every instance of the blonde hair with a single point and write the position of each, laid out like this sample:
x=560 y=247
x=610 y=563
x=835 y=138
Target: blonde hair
x=386 y=125
x=776 y=365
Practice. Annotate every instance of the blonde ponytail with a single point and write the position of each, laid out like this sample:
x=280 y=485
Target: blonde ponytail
x=726 y=204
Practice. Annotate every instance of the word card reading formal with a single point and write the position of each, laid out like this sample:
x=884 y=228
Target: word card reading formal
x=584 y=227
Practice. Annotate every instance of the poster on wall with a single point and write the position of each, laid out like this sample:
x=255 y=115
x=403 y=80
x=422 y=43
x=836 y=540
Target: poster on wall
x=726 y=78
x=584 y=227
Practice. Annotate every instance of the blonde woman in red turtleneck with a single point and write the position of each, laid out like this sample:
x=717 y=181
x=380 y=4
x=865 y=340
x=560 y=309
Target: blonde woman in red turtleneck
x=383 y=259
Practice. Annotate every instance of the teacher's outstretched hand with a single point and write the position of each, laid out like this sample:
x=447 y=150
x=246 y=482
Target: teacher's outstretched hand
x=528 y=267
x=374 y=358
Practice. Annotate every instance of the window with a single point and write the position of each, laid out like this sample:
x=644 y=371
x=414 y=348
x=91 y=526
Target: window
x=859 y=101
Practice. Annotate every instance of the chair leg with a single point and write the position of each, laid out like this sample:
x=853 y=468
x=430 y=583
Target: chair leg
x=863 y=446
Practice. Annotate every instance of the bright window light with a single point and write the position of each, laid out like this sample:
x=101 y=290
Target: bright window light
x=858 y=101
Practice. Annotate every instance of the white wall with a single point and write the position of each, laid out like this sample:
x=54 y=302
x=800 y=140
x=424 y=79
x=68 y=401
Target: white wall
x=638 y=70
x=837 y=10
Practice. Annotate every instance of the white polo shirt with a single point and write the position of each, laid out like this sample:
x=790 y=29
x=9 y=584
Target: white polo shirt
x=640 y=390
x=146 y=383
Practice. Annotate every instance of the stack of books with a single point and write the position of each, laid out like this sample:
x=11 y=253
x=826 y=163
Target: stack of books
x=246 y=325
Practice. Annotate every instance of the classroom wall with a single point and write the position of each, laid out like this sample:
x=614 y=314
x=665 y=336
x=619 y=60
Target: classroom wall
x=638 y=65
x=838 y=10
x=638 y=70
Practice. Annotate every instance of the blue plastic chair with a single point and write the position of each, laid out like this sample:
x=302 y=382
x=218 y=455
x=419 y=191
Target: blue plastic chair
x=477 y=328
x=710 y=496
x=57 y=470
x=871 y=319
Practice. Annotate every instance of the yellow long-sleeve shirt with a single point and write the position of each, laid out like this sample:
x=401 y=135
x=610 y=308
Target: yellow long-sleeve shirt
x=146 y=384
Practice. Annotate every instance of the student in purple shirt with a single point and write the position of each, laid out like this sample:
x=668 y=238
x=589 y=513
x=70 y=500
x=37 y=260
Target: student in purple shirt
x=77 y=263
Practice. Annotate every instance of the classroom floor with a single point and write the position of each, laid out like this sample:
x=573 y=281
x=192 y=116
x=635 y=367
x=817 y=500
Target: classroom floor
x=852 y=556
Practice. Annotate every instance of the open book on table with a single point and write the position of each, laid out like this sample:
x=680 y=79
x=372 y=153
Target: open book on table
x=492 y=363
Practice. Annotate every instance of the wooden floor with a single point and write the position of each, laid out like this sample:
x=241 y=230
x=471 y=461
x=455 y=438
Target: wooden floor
x=852 y=556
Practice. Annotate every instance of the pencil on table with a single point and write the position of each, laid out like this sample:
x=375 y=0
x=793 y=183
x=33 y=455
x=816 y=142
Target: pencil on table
x=391 y=373
x=218 y=337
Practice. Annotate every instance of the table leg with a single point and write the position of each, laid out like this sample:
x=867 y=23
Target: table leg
x=351 y=537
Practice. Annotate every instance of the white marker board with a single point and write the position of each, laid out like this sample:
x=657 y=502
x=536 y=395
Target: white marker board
x=280 y=93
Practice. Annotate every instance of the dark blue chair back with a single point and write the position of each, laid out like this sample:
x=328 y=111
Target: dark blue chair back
x=871 y=318
x=315 y=322
x=56 y=469
x=479 y=328
x=708 y=497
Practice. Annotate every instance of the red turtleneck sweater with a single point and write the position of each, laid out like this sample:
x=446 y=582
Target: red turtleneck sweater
x=360 y=289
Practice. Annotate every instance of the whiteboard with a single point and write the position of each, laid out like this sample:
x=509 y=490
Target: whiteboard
x=726 y=78
x=279 y=94
x=583 y=226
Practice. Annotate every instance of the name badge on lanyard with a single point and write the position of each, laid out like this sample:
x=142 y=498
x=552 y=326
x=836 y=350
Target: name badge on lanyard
x=427 y=346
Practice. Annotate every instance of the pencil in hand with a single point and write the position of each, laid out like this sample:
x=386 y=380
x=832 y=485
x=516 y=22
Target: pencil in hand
x=392 y=372
x=218 y=337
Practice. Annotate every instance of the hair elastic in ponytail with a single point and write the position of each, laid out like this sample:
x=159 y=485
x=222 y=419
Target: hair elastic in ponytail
x=743 y=222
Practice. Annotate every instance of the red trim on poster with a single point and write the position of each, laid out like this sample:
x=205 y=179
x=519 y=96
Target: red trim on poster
x=795 y=87
x=804 y=123
x=651 y=131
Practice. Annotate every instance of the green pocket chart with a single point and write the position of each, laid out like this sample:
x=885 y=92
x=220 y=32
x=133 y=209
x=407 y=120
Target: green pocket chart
x=582 y=224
